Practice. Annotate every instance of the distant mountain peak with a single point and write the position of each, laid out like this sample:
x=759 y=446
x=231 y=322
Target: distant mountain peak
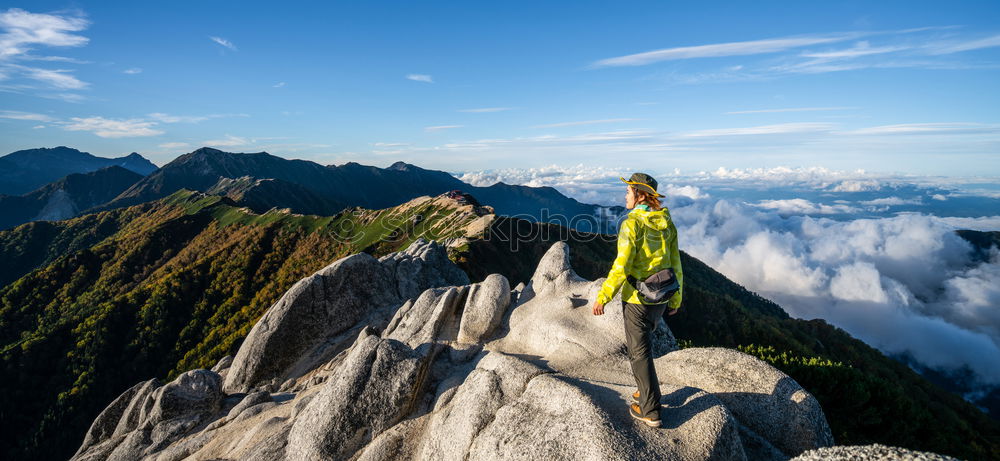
x=403 y=166
x=30 y=169
x=208 y=151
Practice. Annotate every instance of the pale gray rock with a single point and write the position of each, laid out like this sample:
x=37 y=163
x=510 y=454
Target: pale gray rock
x=374 y=388
x=134 y=414
x=663 y=341
x=484 y=308
x=196 y=392
x=104 y=425
x=762 y=398
x=554 y=272
x=559 y=417
x=223 y=364
x=421 y=322
x=270 y=448
x=326 y=303
x=131 y=448
x=158 y=416
x=422 y=265
x=553 y=318
x=464 y=410
x=397 y=442
x=250 y=400
x=758 y=448
x=529 y=373
x=302 y=328
x=254 y=411
x=868 y=453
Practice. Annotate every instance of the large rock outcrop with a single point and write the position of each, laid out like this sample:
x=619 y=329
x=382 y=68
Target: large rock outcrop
x=148 y=418
x=763 y=399
x=403 y=358
x=307 y=323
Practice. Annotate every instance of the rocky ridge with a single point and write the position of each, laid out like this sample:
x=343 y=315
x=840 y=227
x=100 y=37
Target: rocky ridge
x=402 y=358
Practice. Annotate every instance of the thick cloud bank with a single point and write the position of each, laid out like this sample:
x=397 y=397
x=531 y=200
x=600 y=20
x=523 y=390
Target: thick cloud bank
x=904 y=284
x=853 y=253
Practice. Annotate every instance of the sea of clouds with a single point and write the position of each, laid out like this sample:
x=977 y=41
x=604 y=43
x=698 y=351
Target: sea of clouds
x=876 y=256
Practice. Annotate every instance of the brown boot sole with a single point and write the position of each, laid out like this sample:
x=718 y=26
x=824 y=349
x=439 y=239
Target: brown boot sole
x=649 y=422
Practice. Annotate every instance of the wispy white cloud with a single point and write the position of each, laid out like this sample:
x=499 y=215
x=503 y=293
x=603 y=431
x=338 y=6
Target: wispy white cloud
x=228 y=141
x=111 y=128
x=167 y=118
x=279 y=85
x=175 y=145
x=586 y=122
x=29 y=57
x=22 y=30
x=223 y=42
x=967 y=45
x=441 y=127
x=929 y=128
x=781 y=128
x=722 y=49
x=922 y=48
x=787 y=207
x=485 y=109
x=420 y=78
x=862 y=48
x=892 y=201
x=67 y=97
x=17 y=115
x=132 y=71
x=791 y=109
x=56 y=78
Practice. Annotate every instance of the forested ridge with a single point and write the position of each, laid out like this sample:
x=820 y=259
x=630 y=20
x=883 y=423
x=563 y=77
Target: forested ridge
x=154 y=290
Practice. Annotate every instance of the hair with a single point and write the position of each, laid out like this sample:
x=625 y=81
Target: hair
x=651 y=200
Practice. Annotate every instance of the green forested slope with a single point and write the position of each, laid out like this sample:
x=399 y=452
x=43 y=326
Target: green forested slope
x=154 y=290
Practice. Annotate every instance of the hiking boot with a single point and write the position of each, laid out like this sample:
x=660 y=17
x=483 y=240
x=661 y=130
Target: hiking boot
x=634 y=397
x=637 y=414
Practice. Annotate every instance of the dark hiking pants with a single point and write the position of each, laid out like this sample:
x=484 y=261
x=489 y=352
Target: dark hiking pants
x=640 y=320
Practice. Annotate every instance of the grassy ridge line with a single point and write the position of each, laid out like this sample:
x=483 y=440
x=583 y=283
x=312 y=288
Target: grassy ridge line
x=174 y=285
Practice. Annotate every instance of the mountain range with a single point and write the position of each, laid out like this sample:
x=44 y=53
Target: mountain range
x=262 y=181
x=26 y=170
x=67 y=197
x=353 y=184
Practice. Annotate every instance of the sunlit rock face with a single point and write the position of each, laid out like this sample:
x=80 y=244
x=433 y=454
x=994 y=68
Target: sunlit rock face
x=403 y=358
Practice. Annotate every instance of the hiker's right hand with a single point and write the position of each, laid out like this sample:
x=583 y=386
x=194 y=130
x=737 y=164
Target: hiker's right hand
x=673 y=311
x=598 y=308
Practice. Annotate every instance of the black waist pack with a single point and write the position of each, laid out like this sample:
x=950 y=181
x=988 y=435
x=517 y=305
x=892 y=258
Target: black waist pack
x=657 y=288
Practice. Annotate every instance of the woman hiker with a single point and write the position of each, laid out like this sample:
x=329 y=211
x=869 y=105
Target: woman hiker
x=647 y=243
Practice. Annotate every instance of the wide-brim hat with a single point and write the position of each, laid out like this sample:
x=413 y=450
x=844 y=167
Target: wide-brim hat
x=643 y=182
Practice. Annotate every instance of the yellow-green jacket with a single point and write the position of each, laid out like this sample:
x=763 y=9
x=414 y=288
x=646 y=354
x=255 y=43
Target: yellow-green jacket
x=656 y=250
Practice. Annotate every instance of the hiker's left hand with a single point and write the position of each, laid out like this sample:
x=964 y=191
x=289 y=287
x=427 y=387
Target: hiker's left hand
x=598 y=308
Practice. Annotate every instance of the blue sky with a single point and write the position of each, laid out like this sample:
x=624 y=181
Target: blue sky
x=896 y=87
